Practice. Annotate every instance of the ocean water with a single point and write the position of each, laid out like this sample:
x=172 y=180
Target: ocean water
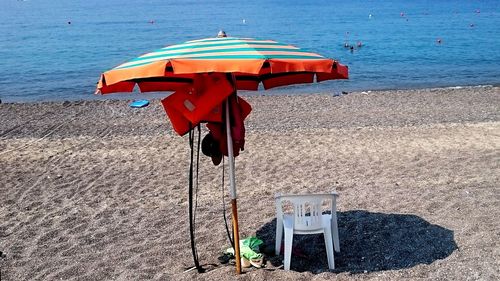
x=56 y=49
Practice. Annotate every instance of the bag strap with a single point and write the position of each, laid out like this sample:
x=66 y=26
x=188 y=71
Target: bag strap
x=192 y=217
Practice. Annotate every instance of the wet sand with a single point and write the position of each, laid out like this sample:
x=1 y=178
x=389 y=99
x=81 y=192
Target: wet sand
x=96 y=190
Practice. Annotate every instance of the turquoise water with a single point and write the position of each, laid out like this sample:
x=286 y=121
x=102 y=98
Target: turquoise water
x=56 y=49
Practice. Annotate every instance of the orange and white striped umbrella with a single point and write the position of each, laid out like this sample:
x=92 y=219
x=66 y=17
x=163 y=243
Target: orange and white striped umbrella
x=252 y=61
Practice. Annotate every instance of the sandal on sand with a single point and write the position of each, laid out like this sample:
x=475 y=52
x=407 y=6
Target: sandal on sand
x=245 y=263
x=225 y=258
x=258 y=263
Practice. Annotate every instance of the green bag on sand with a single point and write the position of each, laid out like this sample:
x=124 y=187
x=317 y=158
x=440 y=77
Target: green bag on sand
x=249 y=248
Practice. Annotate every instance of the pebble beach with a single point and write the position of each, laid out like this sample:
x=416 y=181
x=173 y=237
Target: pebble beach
x=96 y=190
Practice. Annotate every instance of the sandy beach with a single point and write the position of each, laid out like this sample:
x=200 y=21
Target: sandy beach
x=96 y=190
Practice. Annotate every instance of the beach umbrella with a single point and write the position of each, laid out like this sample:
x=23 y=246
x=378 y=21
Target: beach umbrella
x=245 y=62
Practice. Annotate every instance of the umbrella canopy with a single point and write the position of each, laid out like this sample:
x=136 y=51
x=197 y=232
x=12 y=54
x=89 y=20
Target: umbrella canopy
x=252 y=61
x=247 y=62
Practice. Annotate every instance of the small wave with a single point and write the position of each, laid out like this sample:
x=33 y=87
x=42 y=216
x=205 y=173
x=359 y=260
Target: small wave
x=474 y=86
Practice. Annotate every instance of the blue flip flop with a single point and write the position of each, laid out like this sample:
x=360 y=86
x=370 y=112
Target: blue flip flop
x=139 y=103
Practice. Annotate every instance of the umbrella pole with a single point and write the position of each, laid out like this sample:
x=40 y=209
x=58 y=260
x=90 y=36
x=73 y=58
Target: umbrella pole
x=232 y=181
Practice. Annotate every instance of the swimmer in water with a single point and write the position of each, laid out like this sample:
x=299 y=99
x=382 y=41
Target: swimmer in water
x=221 y=34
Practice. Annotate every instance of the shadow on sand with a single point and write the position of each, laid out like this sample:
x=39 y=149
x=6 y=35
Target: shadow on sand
x=368 y=242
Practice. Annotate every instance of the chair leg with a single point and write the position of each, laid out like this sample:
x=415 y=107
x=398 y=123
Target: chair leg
x=335 y=232
x=288 y=248
x=329 y=248
x=279 y=236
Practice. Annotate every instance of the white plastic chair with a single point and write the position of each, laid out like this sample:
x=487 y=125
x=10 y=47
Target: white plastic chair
x=307 y=218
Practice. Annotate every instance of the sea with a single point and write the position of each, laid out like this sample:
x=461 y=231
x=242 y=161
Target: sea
x=55 y=50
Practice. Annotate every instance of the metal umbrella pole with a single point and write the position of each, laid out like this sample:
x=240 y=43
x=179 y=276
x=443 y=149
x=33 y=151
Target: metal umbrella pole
x=232 y=181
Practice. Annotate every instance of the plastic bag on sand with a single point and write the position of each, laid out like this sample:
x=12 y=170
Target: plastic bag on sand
x=249 y=248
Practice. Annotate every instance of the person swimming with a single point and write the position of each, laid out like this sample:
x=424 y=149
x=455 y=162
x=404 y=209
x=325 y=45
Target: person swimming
x=221 y=34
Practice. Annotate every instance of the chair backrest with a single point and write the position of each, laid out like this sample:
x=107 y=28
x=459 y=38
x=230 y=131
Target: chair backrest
x=307 y=209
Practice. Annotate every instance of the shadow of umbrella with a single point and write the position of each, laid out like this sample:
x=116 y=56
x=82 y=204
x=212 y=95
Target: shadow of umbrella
x=368 y=242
